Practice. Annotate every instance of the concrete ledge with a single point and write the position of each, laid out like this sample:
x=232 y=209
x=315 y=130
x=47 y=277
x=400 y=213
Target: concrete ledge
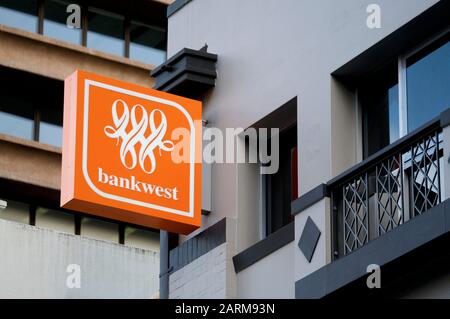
x=30 y=162
x=265 y=247
x=309 y=199
x=176 y=6
x=71 y=46
x=38 y=54
x=30 y=143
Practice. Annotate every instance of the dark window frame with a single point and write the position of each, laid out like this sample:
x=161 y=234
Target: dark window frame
x=285 y=176
x=284 y=118
x=414 y=53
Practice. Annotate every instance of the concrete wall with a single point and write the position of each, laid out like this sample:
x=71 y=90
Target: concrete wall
x=249 y=218
x=57 y=59
x=271 y=277
x=43 y=170
x=34 y=263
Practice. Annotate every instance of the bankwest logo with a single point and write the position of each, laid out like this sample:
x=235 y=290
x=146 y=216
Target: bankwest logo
x=117 y=151
x=142 y=133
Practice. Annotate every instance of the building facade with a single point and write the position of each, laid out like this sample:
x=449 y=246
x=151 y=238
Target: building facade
x=48 y=252
x=358 y=91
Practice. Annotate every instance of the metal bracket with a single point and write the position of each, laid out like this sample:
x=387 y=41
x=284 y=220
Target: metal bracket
x=166 y=272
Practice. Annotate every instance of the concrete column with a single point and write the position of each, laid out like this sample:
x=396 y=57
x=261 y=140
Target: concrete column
x=445 y=165
x=319 y=213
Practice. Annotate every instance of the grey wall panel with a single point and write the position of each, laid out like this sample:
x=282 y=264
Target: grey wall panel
x=34 y=263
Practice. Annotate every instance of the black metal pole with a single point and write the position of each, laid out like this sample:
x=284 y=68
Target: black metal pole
x=163 y=265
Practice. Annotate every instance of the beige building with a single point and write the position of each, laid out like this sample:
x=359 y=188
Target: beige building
x=38 y=239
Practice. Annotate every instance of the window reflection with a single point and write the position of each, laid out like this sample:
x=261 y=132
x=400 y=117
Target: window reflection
x=51 y=114
x=394 y=129
x=378 y=95
x=50 y=134
x=105 y=32
x=55 y=24
x=147 y=43
x=19 y=14
x=428 y=78
x=16 y=110
x=41 y=105
x=15 y=125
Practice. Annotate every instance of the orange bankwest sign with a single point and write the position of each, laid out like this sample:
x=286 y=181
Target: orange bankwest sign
x=131 y=153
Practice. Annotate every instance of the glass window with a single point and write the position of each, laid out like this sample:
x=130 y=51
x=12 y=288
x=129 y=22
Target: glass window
x=147 y=43
x=99 y=229
x=55 y=23
x=50 y=129
x=16 y=212
x=141 y=238
x=280 y=186
x=55 y=220
x=105 y=32
x=16 y=117
x=428 y=78
x=19 y=14
x=379 y=100
x=16 y=108
x=44 y=97
x=51 y=114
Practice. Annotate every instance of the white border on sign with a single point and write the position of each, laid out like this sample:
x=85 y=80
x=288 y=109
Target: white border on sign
x=89 y=83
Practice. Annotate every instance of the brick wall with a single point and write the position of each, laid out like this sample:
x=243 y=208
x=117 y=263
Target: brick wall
x=205 y=277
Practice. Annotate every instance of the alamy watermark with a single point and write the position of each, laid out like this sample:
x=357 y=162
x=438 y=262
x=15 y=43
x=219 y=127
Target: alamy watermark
x=73 y=280
x=374 y=279
x=374 y=19
x=73 y=20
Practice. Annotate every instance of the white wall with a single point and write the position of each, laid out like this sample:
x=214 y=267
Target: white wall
x=271 y=277
x=34 y=262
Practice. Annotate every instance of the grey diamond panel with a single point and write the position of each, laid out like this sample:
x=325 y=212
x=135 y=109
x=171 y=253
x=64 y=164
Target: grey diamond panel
x=309 y=239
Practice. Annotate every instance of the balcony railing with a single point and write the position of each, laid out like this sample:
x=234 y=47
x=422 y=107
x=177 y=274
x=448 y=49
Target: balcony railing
x=386 y=190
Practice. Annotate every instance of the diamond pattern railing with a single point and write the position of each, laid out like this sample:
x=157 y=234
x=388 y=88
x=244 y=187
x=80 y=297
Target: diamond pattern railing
x=389 y=190
x=425 y=174
x=389 y=194
x=356 y=220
